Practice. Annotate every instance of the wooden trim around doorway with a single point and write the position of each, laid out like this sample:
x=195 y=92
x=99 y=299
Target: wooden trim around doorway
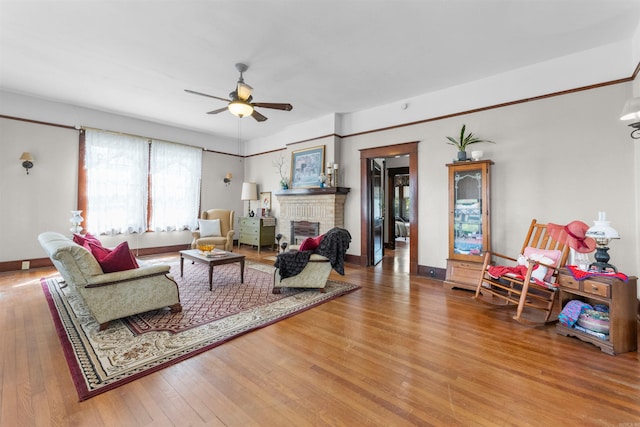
x=408 y=148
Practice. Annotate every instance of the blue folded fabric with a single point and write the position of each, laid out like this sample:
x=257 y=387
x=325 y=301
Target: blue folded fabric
x=571 y=312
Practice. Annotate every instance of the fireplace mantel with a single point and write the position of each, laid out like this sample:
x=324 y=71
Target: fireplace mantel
x=312 y=191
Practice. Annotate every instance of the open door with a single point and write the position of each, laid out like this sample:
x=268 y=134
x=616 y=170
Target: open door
x=377 y=208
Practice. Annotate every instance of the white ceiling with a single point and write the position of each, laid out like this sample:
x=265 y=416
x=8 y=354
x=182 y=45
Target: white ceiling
x=136 y=57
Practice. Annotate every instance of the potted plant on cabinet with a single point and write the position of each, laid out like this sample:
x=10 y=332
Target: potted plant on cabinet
x=463 y=141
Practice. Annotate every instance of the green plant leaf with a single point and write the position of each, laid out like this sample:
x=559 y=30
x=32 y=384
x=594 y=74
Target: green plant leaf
x=465 y=140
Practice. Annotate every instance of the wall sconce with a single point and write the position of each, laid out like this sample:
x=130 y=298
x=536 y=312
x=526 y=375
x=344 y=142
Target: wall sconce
x=631 y=111
x=227 y=179
x=27 y=161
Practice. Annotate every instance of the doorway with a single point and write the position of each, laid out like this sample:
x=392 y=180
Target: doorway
x=367 y=180
x=398 y=204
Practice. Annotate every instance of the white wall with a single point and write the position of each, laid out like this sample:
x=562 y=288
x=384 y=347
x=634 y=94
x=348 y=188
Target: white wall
x=16 y=105
x=42 y=200
x=556 y=159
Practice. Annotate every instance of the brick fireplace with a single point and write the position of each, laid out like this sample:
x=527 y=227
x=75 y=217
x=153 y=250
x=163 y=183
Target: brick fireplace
x=324 y=206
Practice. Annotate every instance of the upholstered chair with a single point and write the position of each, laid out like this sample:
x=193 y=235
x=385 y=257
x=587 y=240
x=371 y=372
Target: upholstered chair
x=208 y=222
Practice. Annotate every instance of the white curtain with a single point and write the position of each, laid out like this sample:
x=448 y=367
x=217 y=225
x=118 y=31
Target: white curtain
x=175 y=186
x=116 y=169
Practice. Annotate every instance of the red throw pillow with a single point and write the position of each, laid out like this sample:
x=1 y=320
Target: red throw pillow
x=318 y=239
x=311 y=243
x=118 y=259
x=82 y=240
x=307 y=244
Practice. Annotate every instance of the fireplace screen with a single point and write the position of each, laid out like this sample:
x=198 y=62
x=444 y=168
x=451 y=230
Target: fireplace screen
x=300 y=230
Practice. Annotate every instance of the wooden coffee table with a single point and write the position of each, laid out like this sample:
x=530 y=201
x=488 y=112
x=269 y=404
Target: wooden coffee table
x=219 y=258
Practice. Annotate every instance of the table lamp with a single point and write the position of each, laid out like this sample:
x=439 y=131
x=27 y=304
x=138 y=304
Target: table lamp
x=602 y=233
x=249 y=193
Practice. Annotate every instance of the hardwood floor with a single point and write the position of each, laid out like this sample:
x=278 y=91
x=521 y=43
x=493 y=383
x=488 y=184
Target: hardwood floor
x=397 y=352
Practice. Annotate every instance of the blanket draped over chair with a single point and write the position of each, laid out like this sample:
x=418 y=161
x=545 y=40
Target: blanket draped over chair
x=333 y=246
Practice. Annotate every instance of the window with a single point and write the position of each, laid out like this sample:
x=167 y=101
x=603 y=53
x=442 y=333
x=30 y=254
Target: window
x=129 y=179
x=175 y=186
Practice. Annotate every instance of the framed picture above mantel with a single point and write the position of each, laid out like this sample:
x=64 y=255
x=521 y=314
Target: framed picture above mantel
x=306 y=167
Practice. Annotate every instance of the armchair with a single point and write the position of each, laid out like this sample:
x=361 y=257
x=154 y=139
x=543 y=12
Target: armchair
x=225 y=238
x=310 y=266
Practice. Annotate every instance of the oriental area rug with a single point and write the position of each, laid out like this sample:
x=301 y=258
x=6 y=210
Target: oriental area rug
x=139 y=345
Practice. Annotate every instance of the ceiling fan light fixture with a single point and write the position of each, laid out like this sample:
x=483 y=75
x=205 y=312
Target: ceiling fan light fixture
x=244 y=91
x=240 y=109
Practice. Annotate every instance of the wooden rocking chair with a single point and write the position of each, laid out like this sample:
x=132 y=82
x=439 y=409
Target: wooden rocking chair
x=519 y=285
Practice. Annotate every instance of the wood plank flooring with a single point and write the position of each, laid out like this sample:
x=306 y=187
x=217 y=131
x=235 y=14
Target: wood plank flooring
x=398 y=352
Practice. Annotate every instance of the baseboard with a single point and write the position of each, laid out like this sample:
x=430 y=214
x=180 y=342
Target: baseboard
x=46 y=262
x=17 y=265
x=160 y=250
x=432 y=272
x=353 y=259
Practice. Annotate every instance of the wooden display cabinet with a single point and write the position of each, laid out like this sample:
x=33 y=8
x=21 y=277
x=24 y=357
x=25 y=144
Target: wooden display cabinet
x=469 y=222
x=622 y=299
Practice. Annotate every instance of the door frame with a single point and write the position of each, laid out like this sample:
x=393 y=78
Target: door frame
x=366 y=156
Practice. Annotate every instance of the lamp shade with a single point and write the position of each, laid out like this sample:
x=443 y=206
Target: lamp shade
x=240 y=109
x=631 y=110
x=249 y=191
x=26 y=157
x=601 y=230
x=244 y=91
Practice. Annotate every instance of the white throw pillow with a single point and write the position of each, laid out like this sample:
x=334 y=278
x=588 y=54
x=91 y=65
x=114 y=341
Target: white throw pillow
x=209 y=227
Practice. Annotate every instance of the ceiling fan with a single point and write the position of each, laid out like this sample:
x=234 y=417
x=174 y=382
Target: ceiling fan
x=240 y=100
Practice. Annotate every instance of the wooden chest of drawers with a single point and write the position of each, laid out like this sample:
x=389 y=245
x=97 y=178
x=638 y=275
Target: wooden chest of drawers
x=254 y=232
x=622 y=299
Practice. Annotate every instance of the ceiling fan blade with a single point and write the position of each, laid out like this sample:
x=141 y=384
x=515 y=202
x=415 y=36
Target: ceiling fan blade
x=259 y=117
x=208 y=96
x=275 y=106
x=219 y=110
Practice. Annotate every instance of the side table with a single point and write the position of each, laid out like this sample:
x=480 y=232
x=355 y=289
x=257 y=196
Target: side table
x=622 y=299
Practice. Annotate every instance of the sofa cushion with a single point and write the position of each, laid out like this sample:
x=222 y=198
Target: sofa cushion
x=82 y=240
x=311 y=243
x=116 y=259
x=209 y=227
x=535 y=254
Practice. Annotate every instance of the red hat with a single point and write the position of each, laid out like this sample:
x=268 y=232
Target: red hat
x=573 y=235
